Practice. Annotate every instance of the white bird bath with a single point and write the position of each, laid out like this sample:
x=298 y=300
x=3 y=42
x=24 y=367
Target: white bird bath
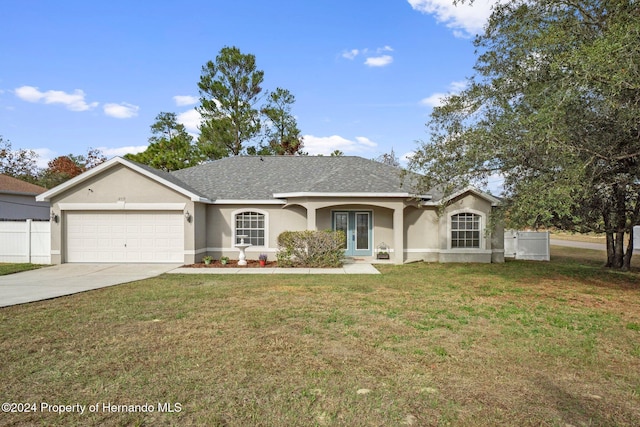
x=242 y=259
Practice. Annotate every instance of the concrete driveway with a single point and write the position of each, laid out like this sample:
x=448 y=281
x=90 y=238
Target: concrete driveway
x=67 y=279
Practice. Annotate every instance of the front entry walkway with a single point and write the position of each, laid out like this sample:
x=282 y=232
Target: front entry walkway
x=356 y=268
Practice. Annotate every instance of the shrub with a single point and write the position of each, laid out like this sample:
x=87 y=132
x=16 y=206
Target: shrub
x=311 y=249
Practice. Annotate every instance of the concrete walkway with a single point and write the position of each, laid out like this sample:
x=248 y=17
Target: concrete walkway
x=67 y=279
x=346 y=269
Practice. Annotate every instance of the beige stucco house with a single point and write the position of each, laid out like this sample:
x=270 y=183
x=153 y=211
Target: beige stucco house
x=122 y=211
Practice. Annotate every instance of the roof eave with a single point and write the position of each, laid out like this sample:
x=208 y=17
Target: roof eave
x=246 y=202
x=339 y=194
x=18 y=193
x=469 y=189
x=47 y=195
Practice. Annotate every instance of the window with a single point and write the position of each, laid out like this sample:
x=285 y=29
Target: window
x=465 y=230
x=250 y=224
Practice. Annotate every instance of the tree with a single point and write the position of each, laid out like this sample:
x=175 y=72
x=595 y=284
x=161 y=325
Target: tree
x=389 y=159
x=214 y=139
x=554 y=107
x=59 y=170
x=336 y=153
x=19 y=163
x=93 y=158
x=282 y=133
x=63 y=168
x=229 y=91
x=170 y=148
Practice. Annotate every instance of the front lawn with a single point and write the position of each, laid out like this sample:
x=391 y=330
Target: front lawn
x=9 y=268
x=517 y=344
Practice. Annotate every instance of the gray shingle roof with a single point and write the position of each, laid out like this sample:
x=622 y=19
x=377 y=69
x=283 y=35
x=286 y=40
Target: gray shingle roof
x=259 y=177
x=168 y=177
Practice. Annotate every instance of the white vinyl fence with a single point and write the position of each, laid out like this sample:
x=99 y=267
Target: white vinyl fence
x=530 y=245
x=25 y=241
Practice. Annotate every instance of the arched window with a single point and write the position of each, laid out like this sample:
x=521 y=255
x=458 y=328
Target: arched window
x=252 y=225
x=465 y=230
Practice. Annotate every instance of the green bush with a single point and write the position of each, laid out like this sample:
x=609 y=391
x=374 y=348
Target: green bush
x=310 y=248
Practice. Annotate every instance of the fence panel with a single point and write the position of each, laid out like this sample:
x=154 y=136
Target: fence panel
x=510 y=243
x=527 y=245
x=25 y=241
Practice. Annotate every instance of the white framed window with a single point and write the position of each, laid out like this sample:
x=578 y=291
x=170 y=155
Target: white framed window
x=465 y=230
x=252 y=224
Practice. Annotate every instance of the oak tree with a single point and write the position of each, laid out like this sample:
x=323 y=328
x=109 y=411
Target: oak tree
x=554 y=108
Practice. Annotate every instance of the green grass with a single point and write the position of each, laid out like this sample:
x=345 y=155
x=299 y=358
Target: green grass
x=519 y=344
x=8 y=268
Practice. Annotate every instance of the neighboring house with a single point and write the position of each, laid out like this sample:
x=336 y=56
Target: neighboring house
x=18 y=200
x=122 y=211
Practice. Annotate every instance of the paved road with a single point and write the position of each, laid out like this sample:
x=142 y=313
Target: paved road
x=67 y=279
x=583 y=245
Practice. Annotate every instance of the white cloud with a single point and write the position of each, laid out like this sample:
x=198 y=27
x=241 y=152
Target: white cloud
x=325 y=145
x=406 y=158
x=45 y=155
x=350 y=54
x=121 y=151
x=372 y=61
x=379 y=61
x=470 y=18
x=191 y=120
x=182 y=100
x=365 y=141
x=434 y=100
x=121 y=111
x=73 y=101
x=437 y=98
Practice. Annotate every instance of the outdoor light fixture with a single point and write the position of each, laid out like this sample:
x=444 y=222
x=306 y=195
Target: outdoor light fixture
x=188 y=216
x=55 y=218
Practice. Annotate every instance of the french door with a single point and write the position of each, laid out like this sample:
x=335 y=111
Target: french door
x=357 y=229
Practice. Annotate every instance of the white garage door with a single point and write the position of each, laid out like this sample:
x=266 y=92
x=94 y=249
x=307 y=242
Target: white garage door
x=125 y=237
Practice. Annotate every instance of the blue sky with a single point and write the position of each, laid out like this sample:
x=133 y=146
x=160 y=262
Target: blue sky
x=80 y=74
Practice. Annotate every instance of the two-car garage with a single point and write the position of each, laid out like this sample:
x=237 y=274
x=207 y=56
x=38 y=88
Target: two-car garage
x=124 y=236
x=123 y=212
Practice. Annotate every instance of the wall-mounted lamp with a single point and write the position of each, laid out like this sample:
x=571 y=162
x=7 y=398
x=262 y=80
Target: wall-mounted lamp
x=188 y=216
x=55 y=218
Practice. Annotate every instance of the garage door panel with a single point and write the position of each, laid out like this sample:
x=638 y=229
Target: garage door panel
x=125 y=237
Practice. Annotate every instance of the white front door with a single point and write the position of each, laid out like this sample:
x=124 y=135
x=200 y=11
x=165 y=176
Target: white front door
x=125 y=237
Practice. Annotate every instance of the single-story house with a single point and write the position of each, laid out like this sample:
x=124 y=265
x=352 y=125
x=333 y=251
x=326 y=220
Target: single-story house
x=18 y=200
x=122 y=211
